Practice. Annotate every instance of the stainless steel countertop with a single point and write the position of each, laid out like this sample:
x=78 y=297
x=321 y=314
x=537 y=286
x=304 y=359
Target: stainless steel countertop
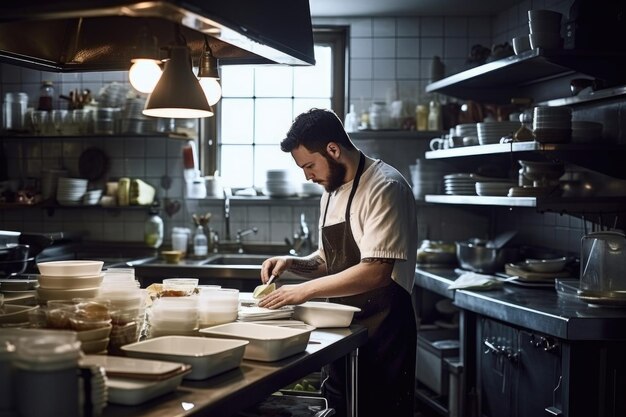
x=233 y=391
x=538 y=309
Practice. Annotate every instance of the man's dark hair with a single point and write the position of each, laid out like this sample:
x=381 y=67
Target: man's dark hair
x=314 y=129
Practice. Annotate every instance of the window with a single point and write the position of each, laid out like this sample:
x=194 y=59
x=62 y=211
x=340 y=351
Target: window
x=259 y=104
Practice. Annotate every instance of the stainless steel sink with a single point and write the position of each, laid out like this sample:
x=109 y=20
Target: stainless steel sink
x=236 y=259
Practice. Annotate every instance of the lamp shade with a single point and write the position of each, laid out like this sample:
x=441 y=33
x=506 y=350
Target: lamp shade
x=178 y=93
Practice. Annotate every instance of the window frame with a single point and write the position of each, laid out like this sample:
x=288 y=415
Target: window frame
x=334 y=36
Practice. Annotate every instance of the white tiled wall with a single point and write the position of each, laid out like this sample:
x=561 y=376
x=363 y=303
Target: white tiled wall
x=389 y=58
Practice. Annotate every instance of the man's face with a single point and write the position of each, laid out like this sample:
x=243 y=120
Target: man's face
x=320 y=168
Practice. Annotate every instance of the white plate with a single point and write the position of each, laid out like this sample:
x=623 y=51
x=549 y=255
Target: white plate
x=132 y=368
x=267 y=343
x=136 y=391
x=207 y=356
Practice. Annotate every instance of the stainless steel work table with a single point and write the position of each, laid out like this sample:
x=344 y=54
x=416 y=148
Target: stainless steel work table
x=233 y=391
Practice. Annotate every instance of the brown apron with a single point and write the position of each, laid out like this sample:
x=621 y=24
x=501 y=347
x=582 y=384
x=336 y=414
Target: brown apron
x=386 y=374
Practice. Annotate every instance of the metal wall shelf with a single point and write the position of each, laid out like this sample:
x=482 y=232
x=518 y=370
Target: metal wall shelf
x=499 y=80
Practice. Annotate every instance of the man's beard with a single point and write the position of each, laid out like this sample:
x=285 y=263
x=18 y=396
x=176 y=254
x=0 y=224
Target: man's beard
x=336 y=174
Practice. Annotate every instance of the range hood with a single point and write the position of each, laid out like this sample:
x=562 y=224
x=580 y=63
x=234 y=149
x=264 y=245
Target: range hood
x=92 y=35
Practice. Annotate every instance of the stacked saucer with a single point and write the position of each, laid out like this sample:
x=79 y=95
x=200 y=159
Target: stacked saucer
x=491 y=132
x=460 y=184
x=552 y=124
x=278 y=184
x=469 y=131
x=70 y=191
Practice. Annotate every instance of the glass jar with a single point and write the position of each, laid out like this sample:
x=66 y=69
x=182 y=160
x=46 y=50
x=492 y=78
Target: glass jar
x=379 y=116
x=46 y=93
x=14 y=111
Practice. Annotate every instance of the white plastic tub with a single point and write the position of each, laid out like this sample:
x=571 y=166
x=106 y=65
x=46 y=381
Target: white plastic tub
x=207 y=356
x=267 y=343
x=323 y=314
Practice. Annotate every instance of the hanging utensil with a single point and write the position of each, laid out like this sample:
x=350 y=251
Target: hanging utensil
x=502 y=239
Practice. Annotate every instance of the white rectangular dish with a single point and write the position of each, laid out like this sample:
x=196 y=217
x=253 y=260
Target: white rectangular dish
x=267 y=343
x=131 y=368
x=136 y=391
x=323 y=314
x=207 y=356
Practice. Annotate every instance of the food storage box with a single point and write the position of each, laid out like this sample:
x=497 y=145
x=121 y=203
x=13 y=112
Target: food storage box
x=267 y=343
x=207 y=356
x=433 y=346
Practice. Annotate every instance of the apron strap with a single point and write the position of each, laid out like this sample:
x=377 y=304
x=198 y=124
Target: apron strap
x=355 y=184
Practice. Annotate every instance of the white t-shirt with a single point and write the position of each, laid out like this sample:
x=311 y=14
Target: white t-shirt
x=383 y=219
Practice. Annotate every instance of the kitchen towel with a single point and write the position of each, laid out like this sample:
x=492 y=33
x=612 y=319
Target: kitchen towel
x=474 y=281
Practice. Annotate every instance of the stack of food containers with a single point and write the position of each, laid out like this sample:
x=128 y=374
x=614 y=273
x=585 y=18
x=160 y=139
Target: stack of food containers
x=217 y=306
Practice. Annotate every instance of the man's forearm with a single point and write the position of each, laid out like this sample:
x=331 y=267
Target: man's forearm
x=312 y=266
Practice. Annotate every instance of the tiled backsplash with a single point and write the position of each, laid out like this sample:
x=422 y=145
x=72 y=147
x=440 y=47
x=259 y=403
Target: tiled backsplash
x=389 y=58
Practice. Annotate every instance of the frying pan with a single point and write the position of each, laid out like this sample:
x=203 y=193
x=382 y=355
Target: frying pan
x=93 y=163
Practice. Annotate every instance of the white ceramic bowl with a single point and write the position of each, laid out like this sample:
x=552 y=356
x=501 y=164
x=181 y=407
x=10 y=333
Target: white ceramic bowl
x=70 y=268
x=267 y=343
x=94 y=346
x=53 y=282
x=45 y=294
x=14 y=314
x=207 y=356
x=322 y=314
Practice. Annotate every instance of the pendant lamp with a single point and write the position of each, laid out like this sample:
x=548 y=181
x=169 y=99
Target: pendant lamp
x=208 y=74
x=145 y=72
x=178 y=93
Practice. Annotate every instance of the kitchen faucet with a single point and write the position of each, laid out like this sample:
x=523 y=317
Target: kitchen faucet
x=302 y=243
x=242 y=233
x=228 y=193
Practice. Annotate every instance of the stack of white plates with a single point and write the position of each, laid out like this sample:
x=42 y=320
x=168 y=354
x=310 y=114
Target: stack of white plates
x=494 y=188
x=492 y=132
x=467 y=130
x=70 y=191
x=460 y=184
x=278 y=184
x=552 y=124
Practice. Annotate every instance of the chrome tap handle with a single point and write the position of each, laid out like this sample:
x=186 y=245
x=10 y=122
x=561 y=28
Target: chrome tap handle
x=242 y=233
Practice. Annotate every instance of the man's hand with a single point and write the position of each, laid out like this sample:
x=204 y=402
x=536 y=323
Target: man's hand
x=274 y=266
x=285 y=295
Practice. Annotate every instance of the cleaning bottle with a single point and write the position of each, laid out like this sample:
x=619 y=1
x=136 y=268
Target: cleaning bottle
x=153 y=227
x=200 y=242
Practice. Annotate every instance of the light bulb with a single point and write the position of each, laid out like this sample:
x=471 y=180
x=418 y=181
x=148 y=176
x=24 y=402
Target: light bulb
x=144 y=75
x=212 y=89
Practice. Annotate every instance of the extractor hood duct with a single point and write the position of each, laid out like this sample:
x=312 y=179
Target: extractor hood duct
x=92 y=35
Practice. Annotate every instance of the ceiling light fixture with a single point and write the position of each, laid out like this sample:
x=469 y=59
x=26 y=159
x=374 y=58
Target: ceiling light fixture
x=208 y=74
x=145 y=71
x=178 y=93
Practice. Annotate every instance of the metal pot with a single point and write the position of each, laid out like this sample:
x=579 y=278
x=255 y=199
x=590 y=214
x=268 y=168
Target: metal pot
x=14 y=259
x=475 y=256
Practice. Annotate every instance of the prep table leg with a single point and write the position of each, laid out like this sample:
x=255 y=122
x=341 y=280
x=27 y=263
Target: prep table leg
x=353 y=383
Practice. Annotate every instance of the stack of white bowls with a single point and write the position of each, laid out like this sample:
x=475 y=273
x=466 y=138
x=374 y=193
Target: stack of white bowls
x=70 y=191
x=65 y=280
x=426 y=178
x=217 y=306
x=278 y=184
x=545 y=29
x=174 y=316
x=127 y=302
x=491 y=132
x=552 y=124
x=494 y=188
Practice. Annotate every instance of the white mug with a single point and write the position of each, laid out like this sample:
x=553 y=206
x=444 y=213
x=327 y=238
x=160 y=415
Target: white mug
x=437 y=144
